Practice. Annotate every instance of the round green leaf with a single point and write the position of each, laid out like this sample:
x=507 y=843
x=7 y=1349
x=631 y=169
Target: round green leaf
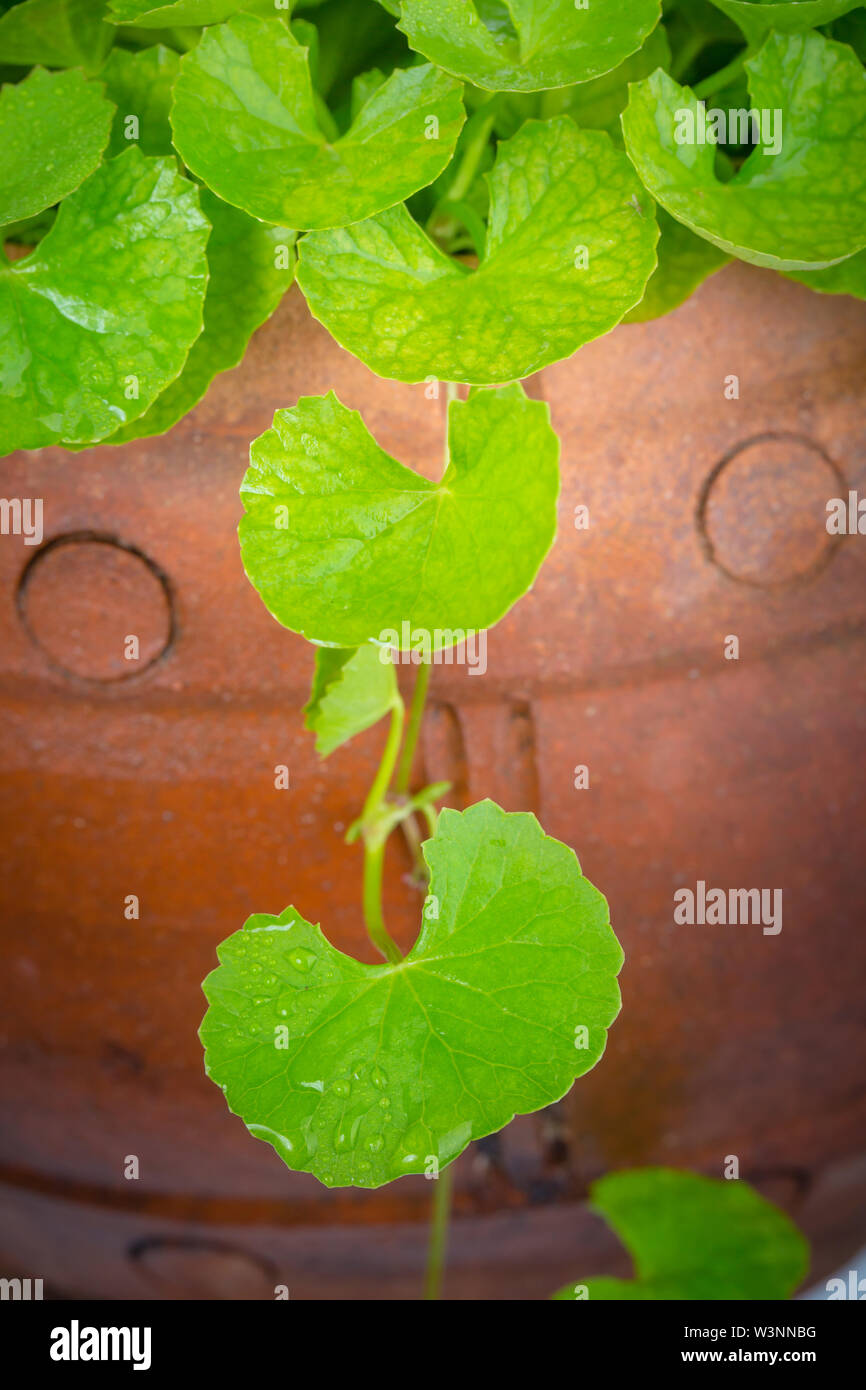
x=694 y=1238
x=235 y=306
x=360 y=1074
x=800 y=209
x=140 y=86
x=244 y=120
x=53 y=130
x=757 y=17
x=570 y=246
x=99 y=319
x=344 y=544
x=527 y=45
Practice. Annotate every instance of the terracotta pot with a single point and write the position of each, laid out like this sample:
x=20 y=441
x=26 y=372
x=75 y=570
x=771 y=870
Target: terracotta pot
x=156 y=778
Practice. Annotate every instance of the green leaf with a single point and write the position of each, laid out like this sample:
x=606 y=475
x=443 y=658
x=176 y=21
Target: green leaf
x=353 y=688
x=695 y=1238
x=53 y=130
x=147 y=15
x=344 y=544
x=140 y=86
x=527 y=45
x=847 y=277
x=685 y=261
x=389 y=1066
x=756 y=18
x=800 y=209
x=56 y=33
x=244 y=120
x=570 y=247
x=595 y=105
x=107 y=305
x=234 y=307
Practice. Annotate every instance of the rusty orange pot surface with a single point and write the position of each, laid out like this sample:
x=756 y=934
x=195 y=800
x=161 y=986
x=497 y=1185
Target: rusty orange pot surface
x=154 y=778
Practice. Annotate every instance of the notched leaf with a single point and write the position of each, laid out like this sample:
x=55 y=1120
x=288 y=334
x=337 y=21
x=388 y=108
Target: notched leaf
x=801 y=207
x=527 y=45
x=565 y=259
x=345 y=544
x=246 y=121
x=360 y=1074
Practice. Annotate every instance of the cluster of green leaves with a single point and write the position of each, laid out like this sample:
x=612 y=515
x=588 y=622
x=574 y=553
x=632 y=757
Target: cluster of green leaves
x=475 y=188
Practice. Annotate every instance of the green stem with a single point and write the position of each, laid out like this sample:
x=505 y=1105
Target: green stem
x=382 y=780
x=686 y=56
x=413 y=729
x=717 y=81
x=440 y=1212
x=478 y=127
x=374 y=859
x=374 y=841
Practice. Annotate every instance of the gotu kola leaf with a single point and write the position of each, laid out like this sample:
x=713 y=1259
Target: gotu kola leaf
x=235 y=306
x=801 y=208
x=100 y=318
x=359 y=1073
x=345 y=544
x=527 y=45
x=244 y=120
x=353 y=688
x=694 y=1238
x=53 y=130
x=570 y=246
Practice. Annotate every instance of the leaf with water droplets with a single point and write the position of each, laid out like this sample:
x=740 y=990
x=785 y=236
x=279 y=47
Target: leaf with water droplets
x=345 y=544
x=54 y=127
x=694 y=1238
x=799 y=200
x=353 y=688
x=570 y=246
x=360 y=1073
x=527 y=45
x=245 y=121
x=100 y=318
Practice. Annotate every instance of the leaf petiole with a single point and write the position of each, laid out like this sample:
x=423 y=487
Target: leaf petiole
x=439 y=1216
